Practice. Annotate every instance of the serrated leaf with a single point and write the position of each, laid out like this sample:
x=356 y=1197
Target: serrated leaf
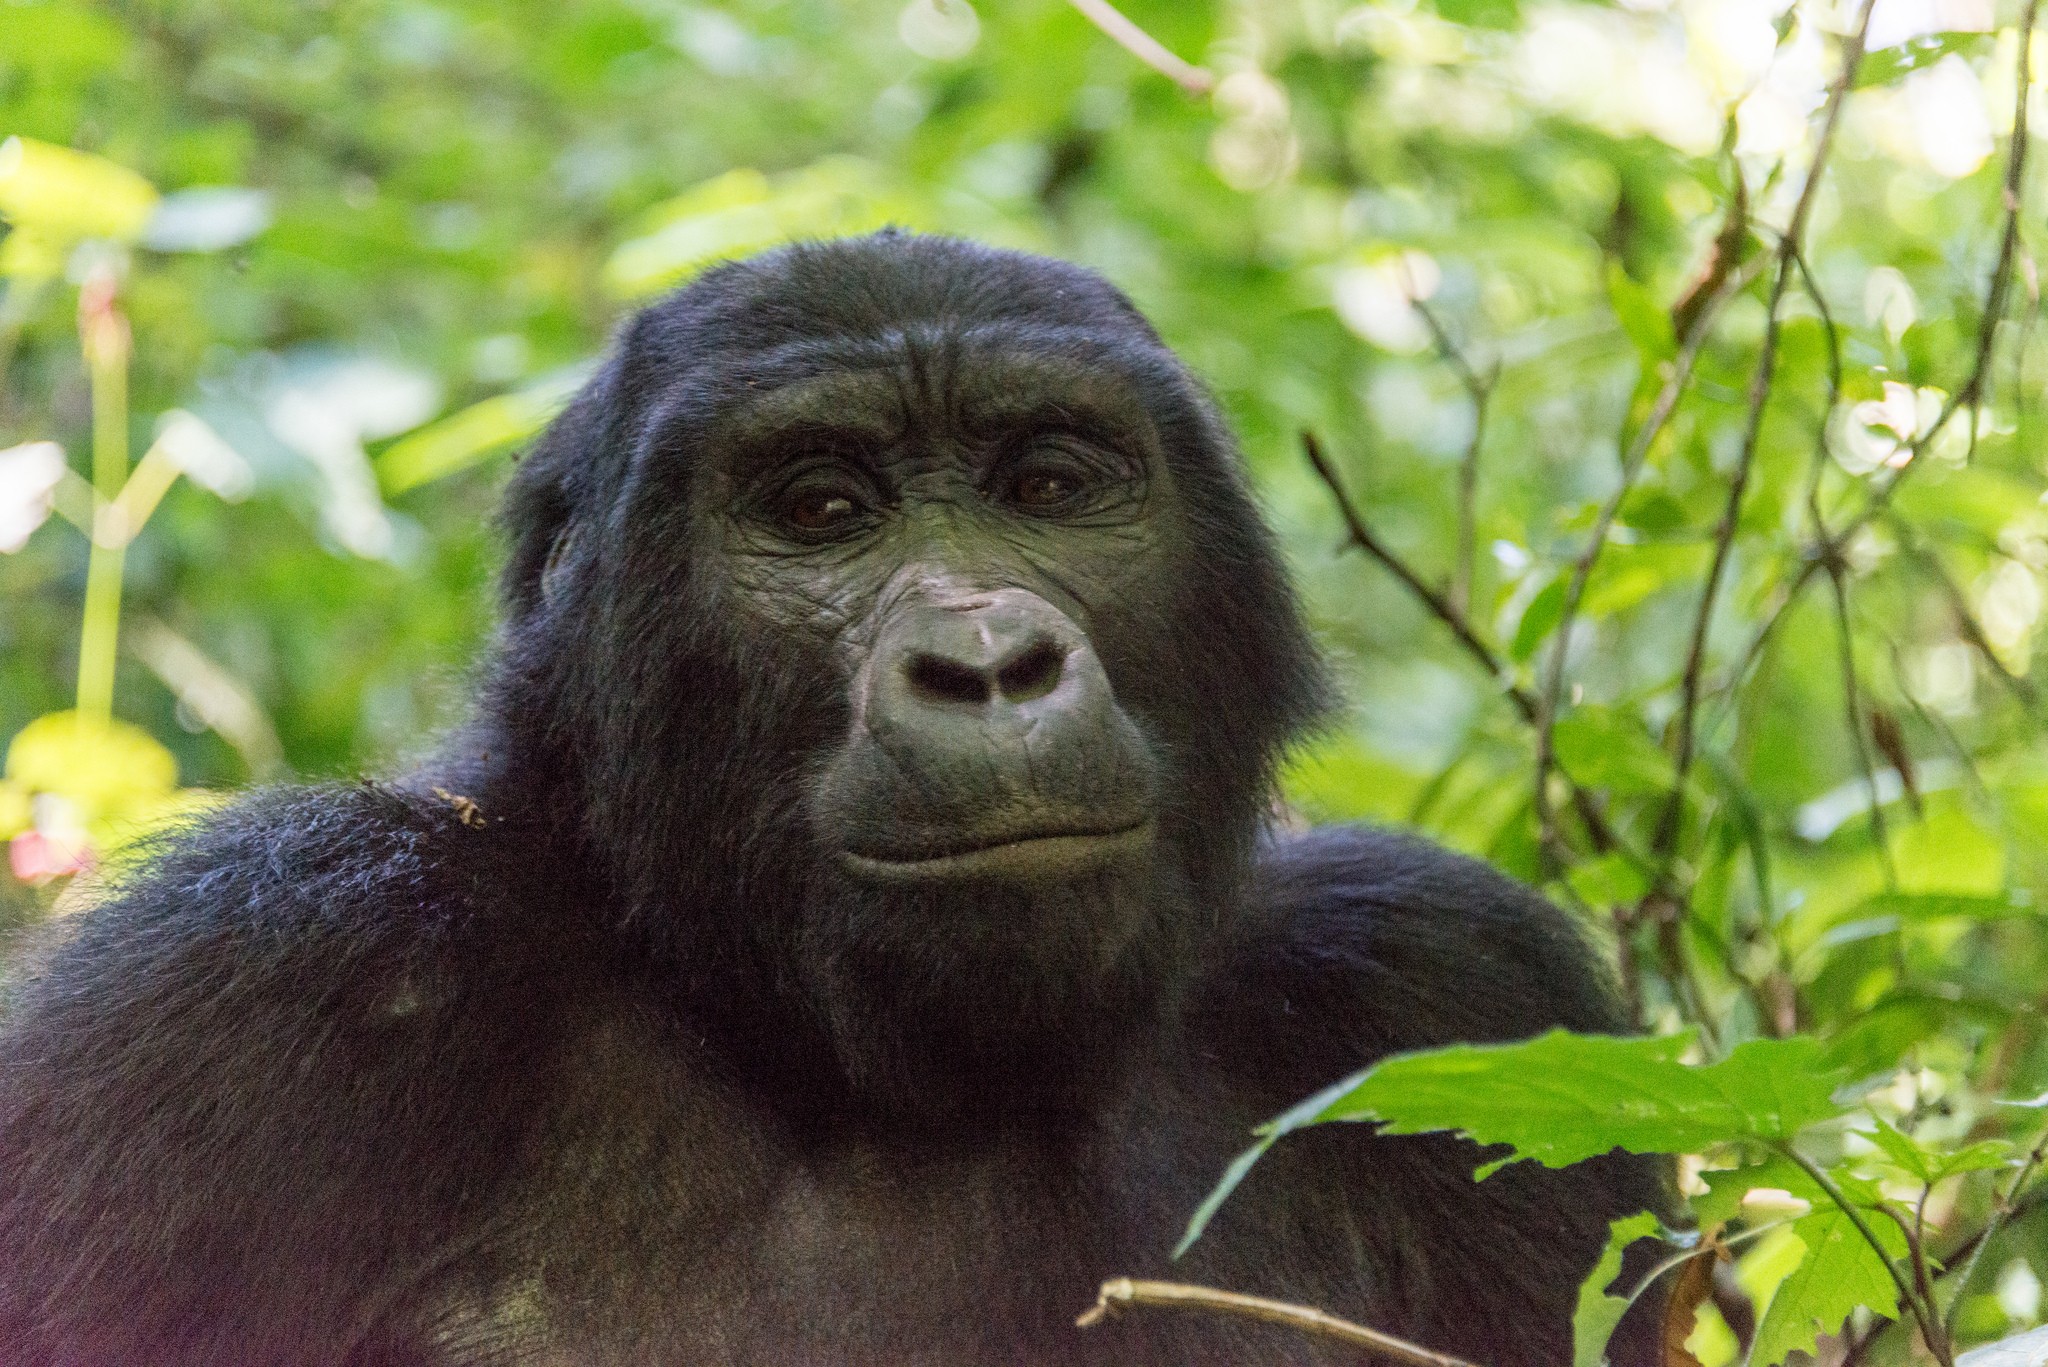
x=1728 y=1189
x=1597 y=1313
x=1561 y=1098
x=1840 y=1272
x=1903 y=1149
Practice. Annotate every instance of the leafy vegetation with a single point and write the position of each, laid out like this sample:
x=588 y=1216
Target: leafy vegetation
x=1673 y=503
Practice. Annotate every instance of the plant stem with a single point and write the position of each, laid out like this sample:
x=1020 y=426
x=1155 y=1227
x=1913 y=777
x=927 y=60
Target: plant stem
x=1123 y=1293
x=103 y=337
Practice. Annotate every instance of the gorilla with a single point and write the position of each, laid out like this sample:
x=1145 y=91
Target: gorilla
x=851 y=927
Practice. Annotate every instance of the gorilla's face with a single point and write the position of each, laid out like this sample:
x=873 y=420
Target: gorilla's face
x=897 y=614
x=968 y=538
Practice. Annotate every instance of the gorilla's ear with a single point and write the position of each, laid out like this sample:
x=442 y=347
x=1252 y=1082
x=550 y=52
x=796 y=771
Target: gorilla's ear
x=558 y=487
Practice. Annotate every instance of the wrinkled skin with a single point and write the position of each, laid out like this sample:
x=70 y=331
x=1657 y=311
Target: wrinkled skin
x=871 y=941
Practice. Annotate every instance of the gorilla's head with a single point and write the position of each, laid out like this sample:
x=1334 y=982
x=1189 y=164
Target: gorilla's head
x=897 y=615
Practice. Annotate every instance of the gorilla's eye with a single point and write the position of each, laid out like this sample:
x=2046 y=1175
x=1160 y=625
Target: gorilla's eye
x=1042 y=486
x=819 y=508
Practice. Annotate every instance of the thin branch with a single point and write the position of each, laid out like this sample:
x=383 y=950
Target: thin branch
x=1976 y=386
x=1147 y=49
x=1852 y=702
x=1479 y=388
x=1123 y=1294
x=1973 y=631
x=1831 y=544
x=1597 y=829
x=1760 y=383
x=1661 y=409
x=1363 y=537
x=1596 y=826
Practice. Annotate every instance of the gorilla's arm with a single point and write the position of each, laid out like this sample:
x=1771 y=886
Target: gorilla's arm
x=232 y=1095
x=1365 y=943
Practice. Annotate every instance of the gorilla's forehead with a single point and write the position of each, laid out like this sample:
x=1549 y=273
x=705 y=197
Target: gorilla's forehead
x=925 y=383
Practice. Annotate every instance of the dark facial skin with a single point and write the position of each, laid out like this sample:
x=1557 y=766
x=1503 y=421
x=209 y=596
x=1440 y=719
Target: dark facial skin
x=956 y=524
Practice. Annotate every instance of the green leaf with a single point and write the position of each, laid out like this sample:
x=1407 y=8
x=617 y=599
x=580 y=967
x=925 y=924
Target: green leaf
x=1647 y=325
x=1931 y=1165
x=1605 y=748
x=1839 y=1273
x=1594 y=1321
x=743 y=211
x=1903 y=1150
x=63 y=194
x=1539 y=619
x=1886 y=66
x=460 y=440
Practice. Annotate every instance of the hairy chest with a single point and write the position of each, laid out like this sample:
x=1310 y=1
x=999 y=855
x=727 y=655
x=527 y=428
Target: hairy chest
x=691 y=1226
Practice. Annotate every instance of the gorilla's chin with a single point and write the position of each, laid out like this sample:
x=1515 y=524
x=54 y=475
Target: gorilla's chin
x=991 y=993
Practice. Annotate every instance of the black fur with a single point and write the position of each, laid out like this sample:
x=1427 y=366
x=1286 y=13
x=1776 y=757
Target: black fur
x=633 y=1072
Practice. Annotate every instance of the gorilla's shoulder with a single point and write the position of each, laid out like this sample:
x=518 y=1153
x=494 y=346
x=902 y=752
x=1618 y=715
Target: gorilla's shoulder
x=304 y=1012
x=1361 y=942
x=334 y=873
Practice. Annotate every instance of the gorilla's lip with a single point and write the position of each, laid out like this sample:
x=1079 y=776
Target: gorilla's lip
x=1034 y=854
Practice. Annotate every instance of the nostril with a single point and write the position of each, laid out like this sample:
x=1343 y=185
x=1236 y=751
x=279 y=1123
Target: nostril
x=1033 y=674
x=937 y=679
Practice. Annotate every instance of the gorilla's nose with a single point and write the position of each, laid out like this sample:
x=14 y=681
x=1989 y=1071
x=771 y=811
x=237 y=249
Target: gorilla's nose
x=985 y=723
x=1009 y=649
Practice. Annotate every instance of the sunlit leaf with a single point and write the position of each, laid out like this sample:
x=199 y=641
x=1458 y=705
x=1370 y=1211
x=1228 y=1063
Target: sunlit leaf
x=103 y=765
x=744 y=211
x=1598 y=1313
x=63 y=194
x=1840 y=1273
x=1561 y=1098
x=462 y=439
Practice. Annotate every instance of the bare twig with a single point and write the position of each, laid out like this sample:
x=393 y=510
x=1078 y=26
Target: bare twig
x=1123 y=1294
x=1666 y=838
x=1831 y=544
x=1976 y=385
x=1597 y=828
x=1479 y=388
x=1852 y=702
x=1364 y=538
x=1973 y=631
x=1638 y=451
x=1147 y=49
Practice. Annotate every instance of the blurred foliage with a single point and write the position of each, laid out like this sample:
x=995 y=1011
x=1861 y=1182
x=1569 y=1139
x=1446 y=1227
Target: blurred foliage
x=326 y=264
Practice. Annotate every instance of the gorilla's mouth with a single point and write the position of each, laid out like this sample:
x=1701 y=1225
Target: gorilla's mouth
x=1035 y=854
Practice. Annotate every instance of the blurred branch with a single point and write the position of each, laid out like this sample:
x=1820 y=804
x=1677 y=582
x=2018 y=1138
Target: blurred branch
x=212 y=695
x=1976 y=384
x=1597 y=830
x=1479 y=388
x=1122 y=1294
x=1852 y=702
x=1147 y=49
x=1666 y=838
x=1966 y=622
